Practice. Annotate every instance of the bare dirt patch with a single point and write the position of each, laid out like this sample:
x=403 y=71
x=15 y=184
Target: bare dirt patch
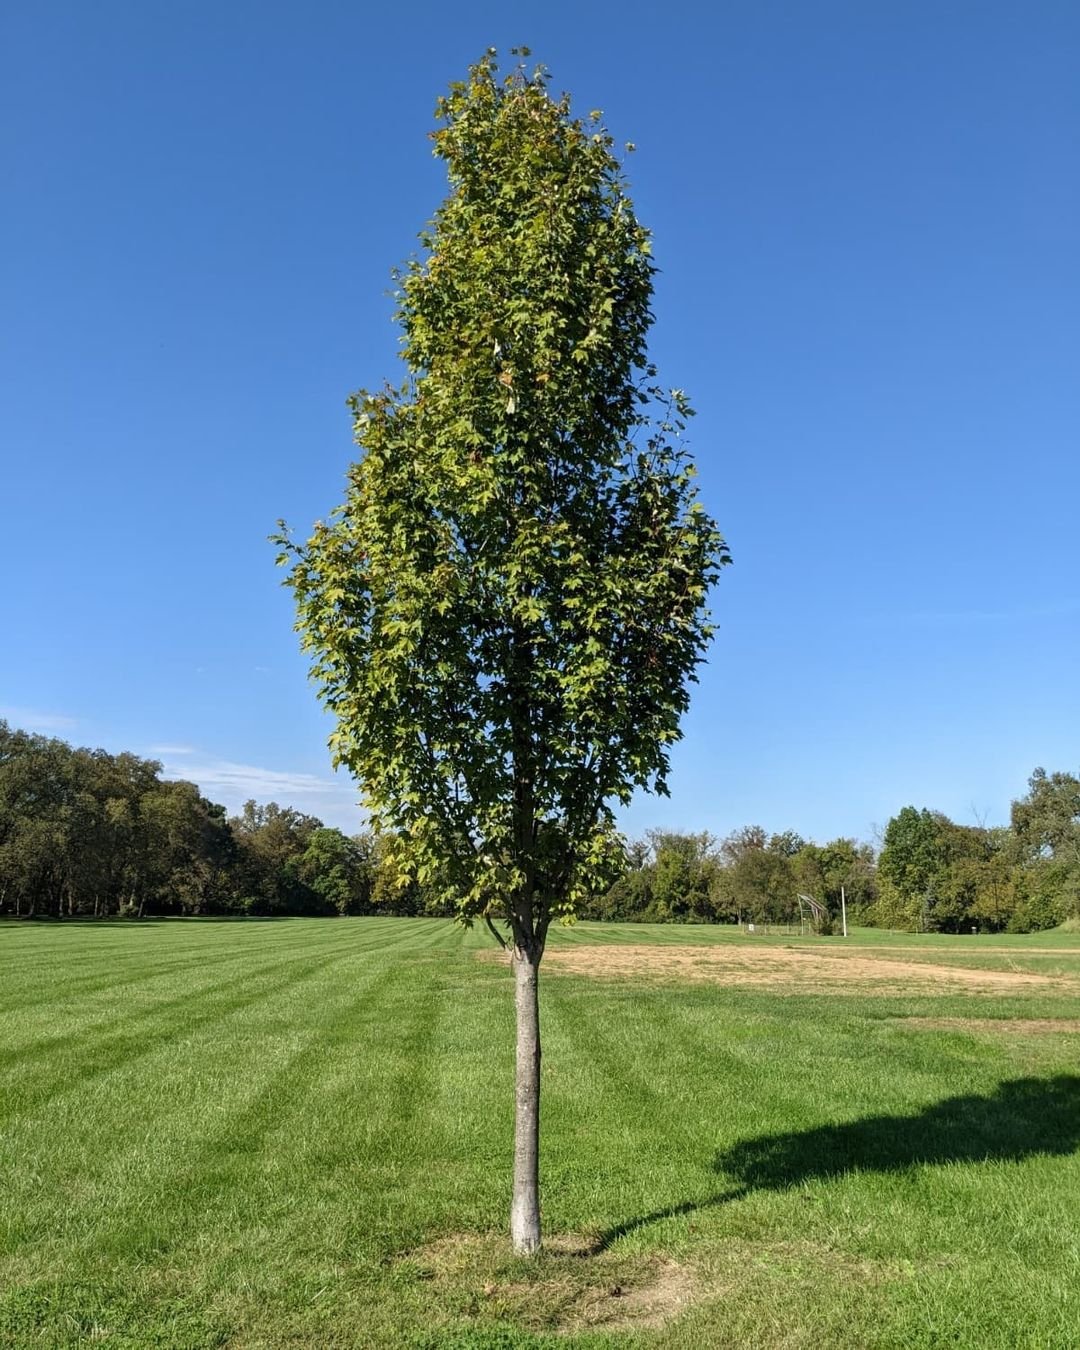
x=1023 y=1026
x=650 y=1303
x=786 y=970
x=572 y=1286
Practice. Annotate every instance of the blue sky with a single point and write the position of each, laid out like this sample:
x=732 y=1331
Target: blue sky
x=867 y=219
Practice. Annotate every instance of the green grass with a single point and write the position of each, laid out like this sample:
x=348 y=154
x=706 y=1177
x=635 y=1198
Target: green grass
x=297 y=1134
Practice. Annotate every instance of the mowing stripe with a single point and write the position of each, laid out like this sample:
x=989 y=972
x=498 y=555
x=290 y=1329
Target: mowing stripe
x=140 y=1037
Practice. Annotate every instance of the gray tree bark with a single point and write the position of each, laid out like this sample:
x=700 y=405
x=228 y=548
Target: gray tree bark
x=525 y=1205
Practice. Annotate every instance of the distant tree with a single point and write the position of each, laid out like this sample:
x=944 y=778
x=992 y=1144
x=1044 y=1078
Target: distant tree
x=339 y=869
x=270 y=839
x=187 y=854
x=1046 y=821
x=787 y=843
x=685 y=875
x=823 y=870
x=504 y=614
x=1046 y=843
x=763 y=885
x=742 y=841
x=983 y=891
x=86 y=832
x=117 y=851
x=1047 y=894
x=630 y=896
x=36 y=833
x=913 y=853
x=670 y=876
x=937 y=875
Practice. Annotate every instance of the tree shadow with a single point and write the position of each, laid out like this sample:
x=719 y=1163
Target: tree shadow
x=619 y=1230
x=1019 y=1119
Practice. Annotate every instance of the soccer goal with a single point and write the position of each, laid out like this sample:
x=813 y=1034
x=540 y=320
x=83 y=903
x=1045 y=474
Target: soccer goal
x=812 y=914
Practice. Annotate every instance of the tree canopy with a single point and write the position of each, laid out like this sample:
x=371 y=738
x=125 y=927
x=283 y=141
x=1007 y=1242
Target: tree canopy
x=504 y=614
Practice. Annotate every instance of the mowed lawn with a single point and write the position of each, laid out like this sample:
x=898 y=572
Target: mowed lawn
x=297 y=1133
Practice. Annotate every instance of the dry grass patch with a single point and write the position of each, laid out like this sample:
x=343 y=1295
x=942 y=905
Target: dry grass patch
x=1036 y=953
x=1025 y=1026
x=572 y=1286
x=786 y=970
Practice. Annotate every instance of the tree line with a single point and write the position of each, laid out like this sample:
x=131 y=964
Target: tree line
x=86 y=833
x=92 y=834
x=929 y=875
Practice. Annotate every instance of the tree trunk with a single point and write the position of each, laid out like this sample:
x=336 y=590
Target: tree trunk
x=525 y=1206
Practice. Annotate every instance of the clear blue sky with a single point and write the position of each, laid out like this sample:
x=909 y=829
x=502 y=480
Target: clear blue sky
x=867 y=218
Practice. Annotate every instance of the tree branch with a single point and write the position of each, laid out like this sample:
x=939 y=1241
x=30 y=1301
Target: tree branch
x=495 y=932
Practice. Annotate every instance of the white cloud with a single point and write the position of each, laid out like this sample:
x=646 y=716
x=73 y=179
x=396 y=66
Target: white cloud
x=332 y=800
x=30 y=719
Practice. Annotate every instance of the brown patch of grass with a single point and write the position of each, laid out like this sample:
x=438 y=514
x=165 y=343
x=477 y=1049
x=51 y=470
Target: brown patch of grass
x=648 y=1304
x=1047 y=953
x=571 y=1286
x=1018 y=1025
x=786 y=970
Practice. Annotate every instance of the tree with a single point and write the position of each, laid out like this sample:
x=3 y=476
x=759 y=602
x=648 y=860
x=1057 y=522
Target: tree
x=1046 y=839
x=630 y=897
x=939 y=876
x=338 y=869
x=188 y=847
x=742 y=841
x=270 y=841
x=1047 y=821
x=913 y=854
x=823 y=869
x=787 y=844
x=35 y=819
x=763 y=886
x=506 y=611
x=684 y=879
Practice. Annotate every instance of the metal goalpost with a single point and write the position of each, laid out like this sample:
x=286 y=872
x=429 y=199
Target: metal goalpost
x=818 y=912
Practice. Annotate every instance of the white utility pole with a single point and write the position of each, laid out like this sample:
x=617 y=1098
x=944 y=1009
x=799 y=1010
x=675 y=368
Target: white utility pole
x=843 y=909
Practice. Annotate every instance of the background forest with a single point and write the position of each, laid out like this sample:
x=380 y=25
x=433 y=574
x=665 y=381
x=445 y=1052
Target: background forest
x=86 y=833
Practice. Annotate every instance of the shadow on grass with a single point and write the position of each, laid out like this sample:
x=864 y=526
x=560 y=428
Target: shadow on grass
x=1019 y=1119
x=619 y=1230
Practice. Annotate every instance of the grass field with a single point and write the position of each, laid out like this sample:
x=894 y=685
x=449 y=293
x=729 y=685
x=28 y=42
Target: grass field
x=297 y=1133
